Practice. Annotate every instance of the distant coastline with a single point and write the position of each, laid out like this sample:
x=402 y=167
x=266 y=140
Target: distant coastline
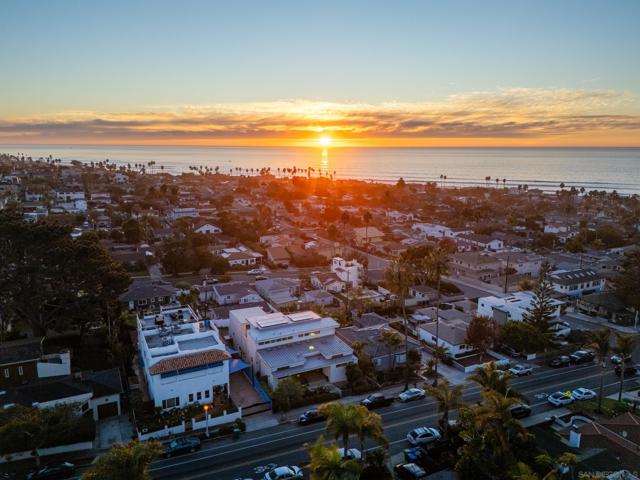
x=538 y=167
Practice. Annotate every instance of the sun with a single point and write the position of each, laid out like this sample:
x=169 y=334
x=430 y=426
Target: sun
x=324 y=141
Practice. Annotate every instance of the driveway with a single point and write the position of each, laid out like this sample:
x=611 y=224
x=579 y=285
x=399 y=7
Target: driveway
x=113 y=430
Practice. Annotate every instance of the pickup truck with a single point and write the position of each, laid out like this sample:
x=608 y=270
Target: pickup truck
x=376 y=400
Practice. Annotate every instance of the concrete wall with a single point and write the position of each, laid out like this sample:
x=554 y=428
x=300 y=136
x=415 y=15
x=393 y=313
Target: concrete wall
x=73 y=447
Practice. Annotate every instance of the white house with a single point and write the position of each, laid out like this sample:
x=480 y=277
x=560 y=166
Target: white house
x=475 y=240
x=437 y=231
x=451 y=335
x=526 y=264
x=328 y=281
x=183 y=359
x=349 y=271
x=69 y=196
x=241 y=256
x=176 y=213
x=511 y=307
x=230 y=293
x=299 y=344
x=207 y=228
x=576 y=283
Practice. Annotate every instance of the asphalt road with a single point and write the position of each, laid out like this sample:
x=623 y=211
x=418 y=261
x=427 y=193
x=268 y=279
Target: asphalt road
x=247 y=456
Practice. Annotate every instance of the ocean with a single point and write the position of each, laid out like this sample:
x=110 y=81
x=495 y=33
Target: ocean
x=592 y=168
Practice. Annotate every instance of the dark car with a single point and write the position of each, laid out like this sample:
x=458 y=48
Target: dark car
x=311 y=416
x=409 y=471
x=617 y=359
x=581 y=356
x=50 y=472
x=181 y=445
x=561 y=361
x=629 y=370
x=509 y=350
x=520 y=410
x=376 y=400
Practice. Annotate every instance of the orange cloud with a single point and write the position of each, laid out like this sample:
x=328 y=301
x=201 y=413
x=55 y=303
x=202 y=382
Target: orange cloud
x=509 y=117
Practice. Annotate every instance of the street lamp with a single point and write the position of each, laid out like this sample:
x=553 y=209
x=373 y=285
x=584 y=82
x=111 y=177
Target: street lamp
x=206 y=416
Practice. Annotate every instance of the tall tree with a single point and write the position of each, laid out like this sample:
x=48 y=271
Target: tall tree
x=600 y=344
x=399 y=278
x=367 y=217
x=542 y=309
x=371 y=427
x=326 y=463
x=391 y=341
x=481 y=333
x=448 y=397
x=129 y=461
x=343 y=420
x=490 y=378
x=288 y=391
x=436 y=265
x=627 y=285
x=623 y=348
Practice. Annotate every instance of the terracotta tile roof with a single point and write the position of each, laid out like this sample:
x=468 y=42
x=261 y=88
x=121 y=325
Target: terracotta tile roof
x=188 y=361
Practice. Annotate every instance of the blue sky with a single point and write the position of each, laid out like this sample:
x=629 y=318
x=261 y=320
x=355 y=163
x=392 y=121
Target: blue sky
x=117 y=56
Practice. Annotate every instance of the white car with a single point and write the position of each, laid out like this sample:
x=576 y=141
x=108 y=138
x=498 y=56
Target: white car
x=559 y=399
x=352 y=453
x=521 y=370
x=257 y=271
x=411 y=394
x=423 y=435
x=561 y=329
x=583 y=394
x=284 y=473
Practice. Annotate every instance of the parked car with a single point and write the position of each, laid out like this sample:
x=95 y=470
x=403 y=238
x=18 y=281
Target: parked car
x=288 y=472
x=629 y=370
x=50 y=472
x=423 y=435
x=559 y=399
x=509 y=350
x=617 y=359
x=261 y=277
x=311 y=416
x=181 y=445
x=561 y=329
x=561 y=361
x=256 y=271
x=583 y=394
x=352 y=453
x=521 y=370
x=581 y=356
x=520 y=410
x=376 y=400
x=411 y=394
x=409 y=471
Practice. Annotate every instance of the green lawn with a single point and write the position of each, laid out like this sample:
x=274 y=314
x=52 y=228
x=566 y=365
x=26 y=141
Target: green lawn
x=610 y=407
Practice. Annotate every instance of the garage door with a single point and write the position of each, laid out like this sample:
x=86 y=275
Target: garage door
x=108 y=410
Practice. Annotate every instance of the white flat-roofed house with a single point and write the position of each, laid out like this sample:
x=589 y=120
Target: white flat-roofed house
x=349 y=271
x=298 y=344
x=69 y=196
x=511 y=307
x=183 y=359
x=576 y=283
x=432 y=230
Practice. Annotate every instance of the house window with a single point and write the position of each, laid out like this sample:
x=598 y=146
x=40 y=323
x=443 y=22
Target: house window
x=20 y=371
x=190 y=397
x=199 y=396
x=171 y=402
x=206 y=394
x=85 y=407
x=6 y=373
x=142 y=302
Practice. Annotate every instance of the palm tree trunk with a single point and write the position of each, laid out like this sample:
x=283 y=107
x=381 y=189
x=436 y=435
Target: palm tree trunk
x=345 y=442
x=435 y=380
x=406 y=344
x=623 y=365
x=600 y=392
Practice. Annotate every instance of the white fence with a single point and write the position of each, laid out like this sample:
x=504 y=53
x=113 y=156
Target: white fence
x=195 y=425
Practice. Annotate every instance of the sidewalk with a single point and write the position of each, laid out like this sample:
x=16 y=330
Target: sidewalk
x=268 y=419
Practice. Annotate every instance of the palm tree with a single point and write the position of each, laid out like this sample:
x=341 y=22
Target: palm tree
x=490 y=378
x=399 y=277
x=600 y=343
x=367 y=219
x=343 y=419
x=493 y=418
x=344 y=218
x=129 y=461
x=436 y=264
x=371 y=427
x=392 y=341
x=448 y=398
x=326 y=463
x=623 y=348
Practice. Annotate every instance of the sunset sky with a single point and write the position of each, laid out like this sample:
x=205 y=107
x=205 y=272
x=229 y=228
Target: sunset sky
x=357 y=73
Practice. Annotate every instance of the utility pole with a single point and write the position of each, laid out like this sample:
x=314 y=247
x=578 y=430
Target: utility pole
x=506 y=274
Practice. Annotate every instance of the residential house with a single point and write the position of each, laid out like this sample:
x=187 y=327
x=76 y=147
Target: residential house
x=349 y=271
x=431 y=230
x=524 y=264
x=176 y=213
x=512 y=307
x=423 y=293
x=328 y=281
x=23 y=361
x=182 y=357
x=383 y=356
x=144 y=296
x=240 y=256
x=301 y=344
x=451 y=334
x=318 y=297
x=367 y=235
x=604 y=305
x=576 y=283
x=98 y=392
x=472 y=241
x=280 y=292
x=206 y=228
x=231 y=293
x=368 y=320
x=278 y=256
x=478 y=265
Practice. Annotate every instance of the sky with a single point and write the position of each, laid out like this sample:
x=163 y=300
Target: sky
x=354 y=73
